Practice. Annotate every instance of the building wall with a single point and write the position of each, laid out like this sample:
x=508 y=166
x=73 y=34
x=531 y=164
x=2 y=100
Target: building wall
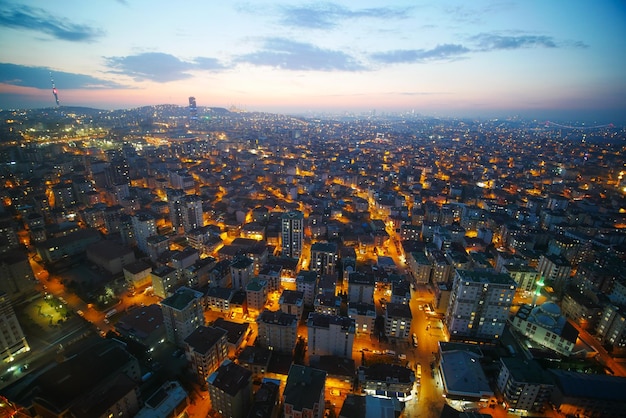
x=281 y=338
x=478 y=308
x=12 y=338
x=179 y=323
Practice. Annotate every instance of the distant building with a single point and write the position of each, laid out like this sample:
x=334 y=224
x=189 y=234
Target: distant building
x=230 y=390
x=304 y=392
x=330 y=335
x=182 y=314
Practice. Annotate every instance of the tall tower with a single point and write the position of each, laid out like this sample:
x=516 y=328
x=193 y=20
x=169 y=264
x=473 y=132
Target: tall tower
x=193 y=109
x=292 y=234
x=192 y=212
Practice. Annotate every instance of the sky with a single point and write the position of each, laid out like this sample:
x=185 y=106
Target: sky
x=541 y=59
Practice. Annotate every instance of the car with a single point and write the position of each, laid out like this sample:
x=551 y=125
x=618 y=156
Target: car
x=81 y=313
x=402 y=356
x=414 y=338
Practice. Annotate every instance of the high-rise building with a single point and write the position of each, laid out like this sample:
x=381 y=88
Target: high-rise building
x=192 y=213
x=16 y=275
x=193 y=108
x=330 y=335
x=479 y=304
x=241 y=272
x=277 y=330
x=292 y=227
x=206 y=348
x=324 y=257
x=398 y=319
x=230 y=390
x=164 y=280
x=524 y=384
x=556 y=270
x=12 y=339
x=144 y=226
x=185 y=210
x=182 y=314
x=304 y=392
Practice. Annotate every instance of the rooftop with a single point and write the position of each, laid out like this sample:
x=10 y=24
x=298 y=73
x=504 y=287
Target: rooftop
x=304 y=386
x=181 y=298
x=230 y=378
x=203 y=338
x=486 y=277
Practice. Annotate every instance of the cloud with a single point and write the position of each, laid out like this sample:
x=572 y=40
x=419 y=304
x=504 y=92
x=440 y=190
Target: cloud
x=483 y=42
x=291 y=55
x=39 y=20
x=160 y=67
x=496 y=41
x=39 y=77
x=444 y=52
x=328 y=15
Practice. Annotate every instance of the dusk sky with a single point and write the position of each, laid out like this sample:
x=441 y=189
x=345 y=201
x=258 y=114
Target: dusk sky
x=444 y=58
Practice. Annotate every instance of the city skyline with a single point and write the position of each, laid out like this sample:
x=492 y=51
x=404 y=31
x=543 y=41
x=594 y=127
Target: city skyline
x=444 y=59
